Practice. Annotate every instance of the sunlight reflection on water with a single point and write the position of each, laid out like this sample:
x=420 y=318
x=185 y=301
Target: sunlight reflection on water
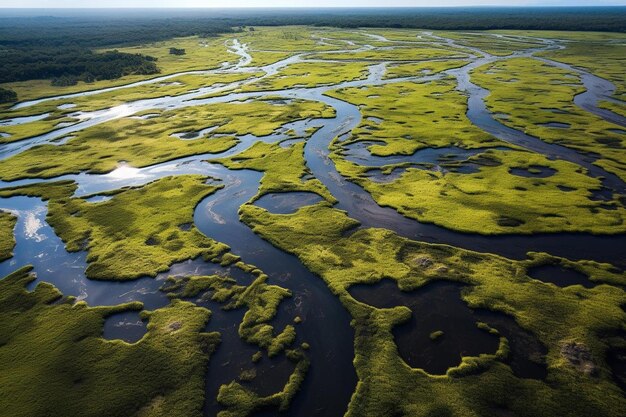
x=124 y=172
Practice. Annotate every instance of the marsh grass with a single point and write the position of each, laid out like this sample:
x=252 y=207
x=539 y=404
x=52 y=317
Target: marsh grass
x=527 y=89
x=421 y=68
x=284 y=168
x=261 y=302
x=7 y=238
x=479 y=385
x=143 y=142
x=118 y=232
x=479 y=202
x=54 y=361
x=311 y=74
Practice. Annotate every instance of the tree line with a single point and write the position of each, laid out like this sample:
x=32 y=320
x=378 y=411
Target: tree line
x=74 y=64
x=61 y=47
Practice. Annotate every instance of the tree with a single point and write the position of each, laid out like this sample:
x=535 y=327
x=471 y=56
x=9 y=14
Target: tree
x=64 y=81
x=7 y=96
x=177 y=51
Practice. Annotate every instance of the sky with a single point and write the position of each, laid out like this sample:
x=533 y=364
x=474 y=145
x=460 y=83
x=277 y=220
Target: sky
x=300 y=3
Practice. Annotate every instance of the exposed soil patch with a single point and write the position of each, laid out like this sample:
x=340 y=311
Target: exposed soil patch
x=579 y=356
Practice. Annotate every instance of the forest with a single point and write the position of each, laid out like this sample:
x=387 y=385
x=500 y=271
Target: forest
x=61 y=47
x=72 y=64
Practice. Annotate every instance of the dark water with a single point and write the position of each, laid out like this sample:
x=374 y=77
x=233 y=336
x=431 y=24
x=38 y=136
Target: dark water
x=559 y=275
x=435 y=308
x=438 y=308
x=616 y=358
x=286 y=203
x=360 y=205
x=359 y=153
x=126 y=326
x=557 y=125
x=534 y=171
x=326 y=324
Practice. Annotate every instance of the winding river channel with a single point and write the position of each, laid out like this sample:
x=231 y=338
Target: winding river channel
x=326 y=324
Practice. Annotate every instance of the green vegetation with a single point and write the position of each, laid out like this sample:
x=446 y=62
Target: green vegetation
x=556 y=316
x=67 y=65
x=494 y=201
x=495 y=45
x=310 y=74
x=171 y=87
x=285 y=168
x=316 y=235
x=396 y=54
x=201 y=54
x=142 y=142
x=152 y=58
x=605 y=62
x=515 y=86
x=7 y=239
x=242 y=402
x=260 y=299
x=615 y=107
x=422 y=68
x=567 y=35
x=261 y=302
x=136 y=232
x=39 y=127
x=56 y=190
x=7 y=96
x=437 y=334
x=53 y=357
x=400 y=35
x=414 y=116
x=490 y=201
x=285 y=39
x=54 y=361
x=177 y=51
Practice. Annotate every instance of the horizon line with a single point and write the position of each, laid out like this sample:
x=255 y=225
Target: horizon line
x=482 y=6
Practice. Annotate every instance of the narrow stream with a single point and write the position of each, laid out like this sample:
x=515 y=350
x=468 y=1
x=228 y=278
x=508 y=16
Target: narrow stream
x=326 y=324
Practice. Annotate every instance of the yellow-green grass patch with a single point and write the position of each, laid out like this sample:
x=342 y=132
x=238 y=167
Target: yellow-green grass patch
x=7 y=238
x=143 y=142
x=137 y=232
x=311 y=74
x=496 y=201
x=54 y=361
x=387 y=385
x=414 y=116
x=533 y=94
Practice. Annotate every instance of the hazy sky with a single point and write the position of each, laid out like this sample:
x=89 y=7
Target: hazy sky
x=302 y=3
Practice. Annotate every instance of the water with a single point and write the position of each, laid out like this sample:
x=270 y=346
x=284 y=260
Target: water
x=127 y=326
x=561 y=276
x=23 y=120
x=359 y=153
x=557 y=125
x=286 y=203
x=326 y=324
x=534 y=171
x=442 y=328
